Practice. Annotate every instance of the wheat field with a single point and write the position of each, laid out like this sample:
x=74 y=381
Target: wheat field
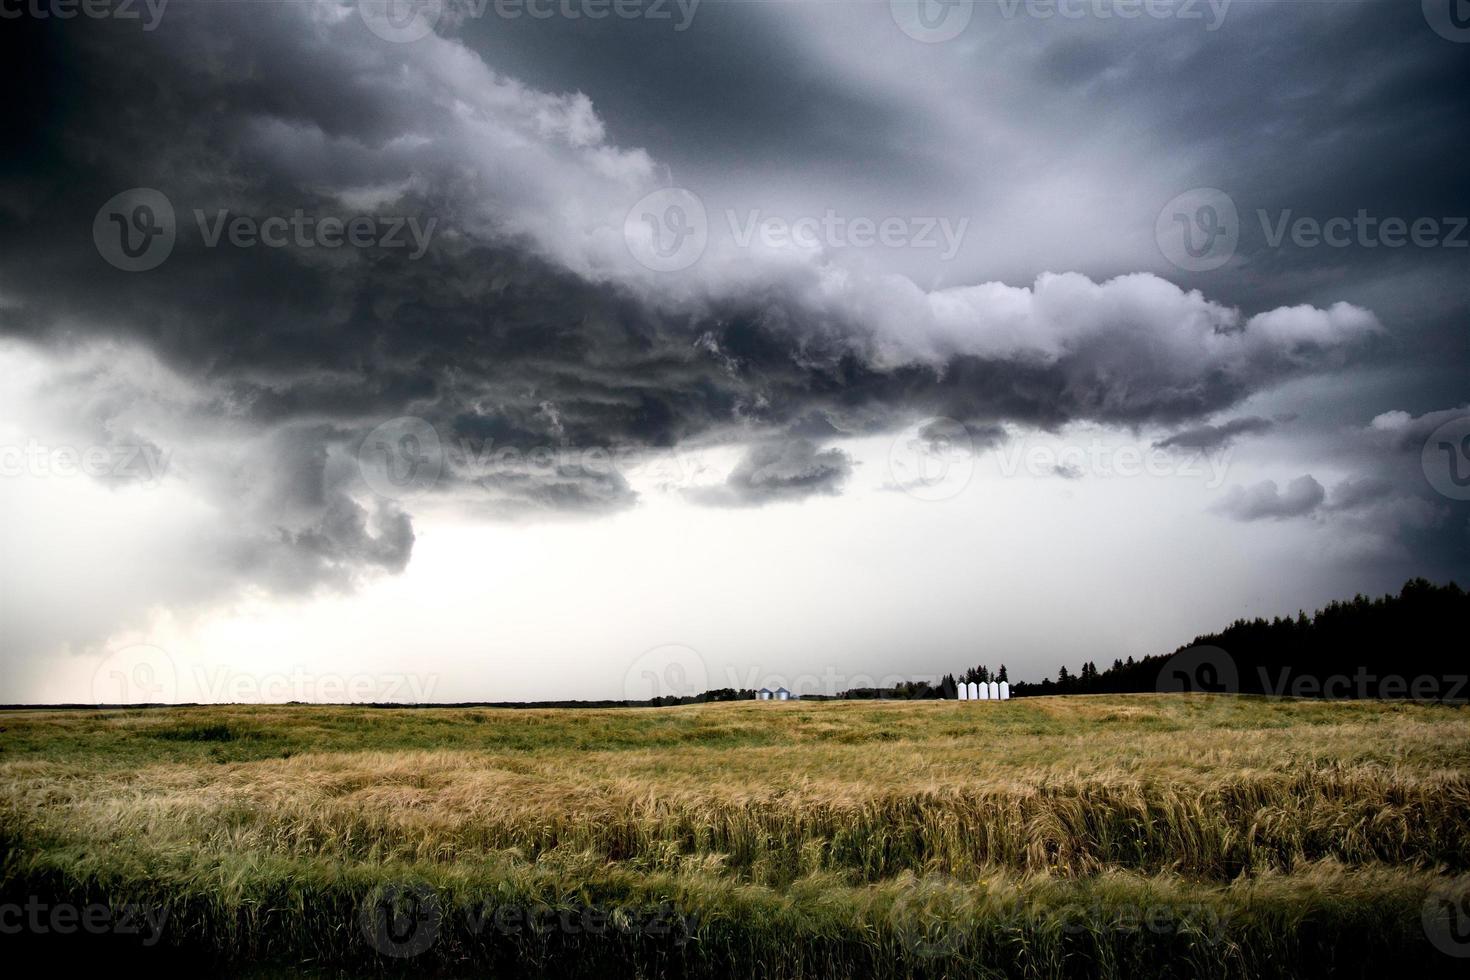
x=1163 y=835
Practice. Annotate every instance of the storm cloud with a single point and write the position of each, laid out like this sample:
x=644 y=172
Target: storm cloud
x=1208 y=438
x=495 y=316
x=1265 y=500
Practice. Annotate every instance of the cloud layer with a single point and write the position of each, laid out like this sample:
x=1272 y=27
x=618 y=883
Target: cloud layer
x=516 y=322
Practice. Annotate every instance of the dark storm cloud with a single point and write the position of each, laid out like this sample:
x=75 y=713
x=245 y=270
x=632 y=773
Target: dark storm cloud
x=771 y=472
x=511 y=331
x=1347 y=110
x=1402 y=432
x=1399 y=508
x=1207 y=438
x=1304 y=496
x=734 y=87
x=939 y=435
x=1265 y=500
x=1345 y=105
x=294 y=523
x=1353 y=494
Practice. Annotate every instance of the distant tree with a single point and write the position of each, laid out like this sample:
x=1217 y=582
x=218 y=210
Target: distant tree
x=1361 y=647
x=949 y=687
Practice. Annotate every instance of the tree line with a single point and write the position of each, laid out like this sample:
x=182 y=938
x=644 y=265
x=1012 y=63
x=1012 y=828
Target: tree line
x=1394 y=646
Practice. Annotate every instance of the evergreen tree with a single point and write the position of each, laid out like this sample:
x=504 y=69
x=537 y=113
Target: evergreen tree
x=1364 y=647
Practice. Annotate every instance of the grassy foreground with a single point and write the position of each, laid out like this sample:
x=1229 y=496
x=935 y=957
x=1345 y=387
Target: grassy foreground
x=1166 y=835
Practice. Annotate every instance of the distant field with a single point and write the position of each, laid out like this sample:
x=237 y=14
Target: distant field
x=1119 y=836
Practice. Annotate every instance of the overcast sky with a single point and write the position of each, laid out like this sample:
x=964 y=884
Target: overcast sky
x=580 y=348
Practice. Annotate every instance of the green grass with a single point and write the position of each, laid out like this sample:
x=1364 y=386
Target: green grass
x=1118 y=836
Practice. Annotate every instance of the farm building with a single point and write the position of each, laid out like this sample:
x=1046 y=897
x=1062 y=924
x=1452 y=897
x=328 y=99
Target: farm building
x=983 y=691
